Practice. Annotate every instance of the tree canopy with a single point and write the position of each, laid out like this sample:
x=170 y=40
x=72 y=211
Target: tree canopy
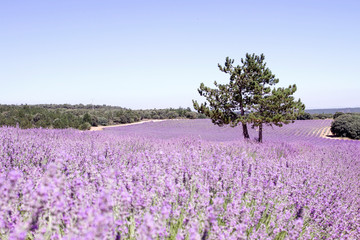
x=249 y=97
x=82 y=116
x=346 y=125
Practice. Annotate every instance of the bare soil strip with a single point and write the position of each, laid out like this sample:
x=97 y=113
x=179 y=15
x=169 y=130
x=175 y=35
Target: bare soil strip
x=99 y=128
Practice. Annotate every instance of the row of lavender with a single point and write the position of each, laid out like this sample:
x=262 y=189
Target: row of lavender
x=67 y=184
x=310 y=130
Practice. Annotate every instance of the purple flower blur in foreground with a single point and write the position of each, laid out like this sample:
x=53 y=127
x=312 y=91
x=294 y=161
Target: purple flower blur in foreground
x=178 y=180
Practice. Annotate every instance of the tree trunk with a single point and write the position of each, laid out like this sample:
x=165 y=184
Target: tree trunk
x=245 y=131
x=260 y=133
x=242 y=113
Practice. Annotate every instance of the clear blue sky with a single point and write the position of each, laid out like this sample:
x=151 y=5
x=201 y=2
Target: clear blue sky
x=155 y=54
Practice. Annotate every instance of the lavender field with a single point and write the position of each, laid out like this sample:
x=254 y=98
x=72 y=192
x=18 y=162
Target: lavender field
x=179 y=179
x=310 y=130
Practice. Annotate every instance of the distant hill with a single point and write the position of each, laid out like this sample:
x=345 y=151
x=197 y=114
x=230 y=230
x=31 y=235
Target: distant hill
x=333 y=110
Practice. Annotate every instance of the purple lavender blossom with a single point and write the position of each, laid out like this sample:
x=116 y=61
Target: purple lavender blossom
x=178 y=180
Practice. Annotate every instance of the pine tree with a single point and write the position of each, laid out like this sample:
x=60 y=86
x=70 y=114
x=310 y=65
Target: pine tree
x=228 y=102
x=269 y=105
x=249 y=97
x=277 y=108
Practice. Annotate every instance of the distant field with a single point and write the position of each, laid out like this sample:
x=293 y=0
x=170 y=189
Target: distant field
x=178 y=179
x=333 y=110
x=203 y=129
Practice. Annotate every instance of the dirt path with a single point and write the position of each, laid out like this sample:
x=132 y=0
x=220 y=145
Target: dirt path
x=99 y=128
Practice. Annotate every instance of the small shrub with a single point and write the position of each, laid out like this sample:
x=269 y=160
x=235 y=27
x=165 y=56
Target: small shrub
x=58 y=123
x=172 y=115
x=338 y=114
x=305 y=116
x=103 y=121
x=85 y=126
x=346 y=125
x=87 y=118
x=201 y=116
x=322 y=116
x=191 y=115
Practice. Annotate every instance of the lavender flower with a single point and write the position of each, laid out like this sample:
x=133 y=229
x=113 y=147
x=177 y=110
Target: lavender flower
x=178 y=180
